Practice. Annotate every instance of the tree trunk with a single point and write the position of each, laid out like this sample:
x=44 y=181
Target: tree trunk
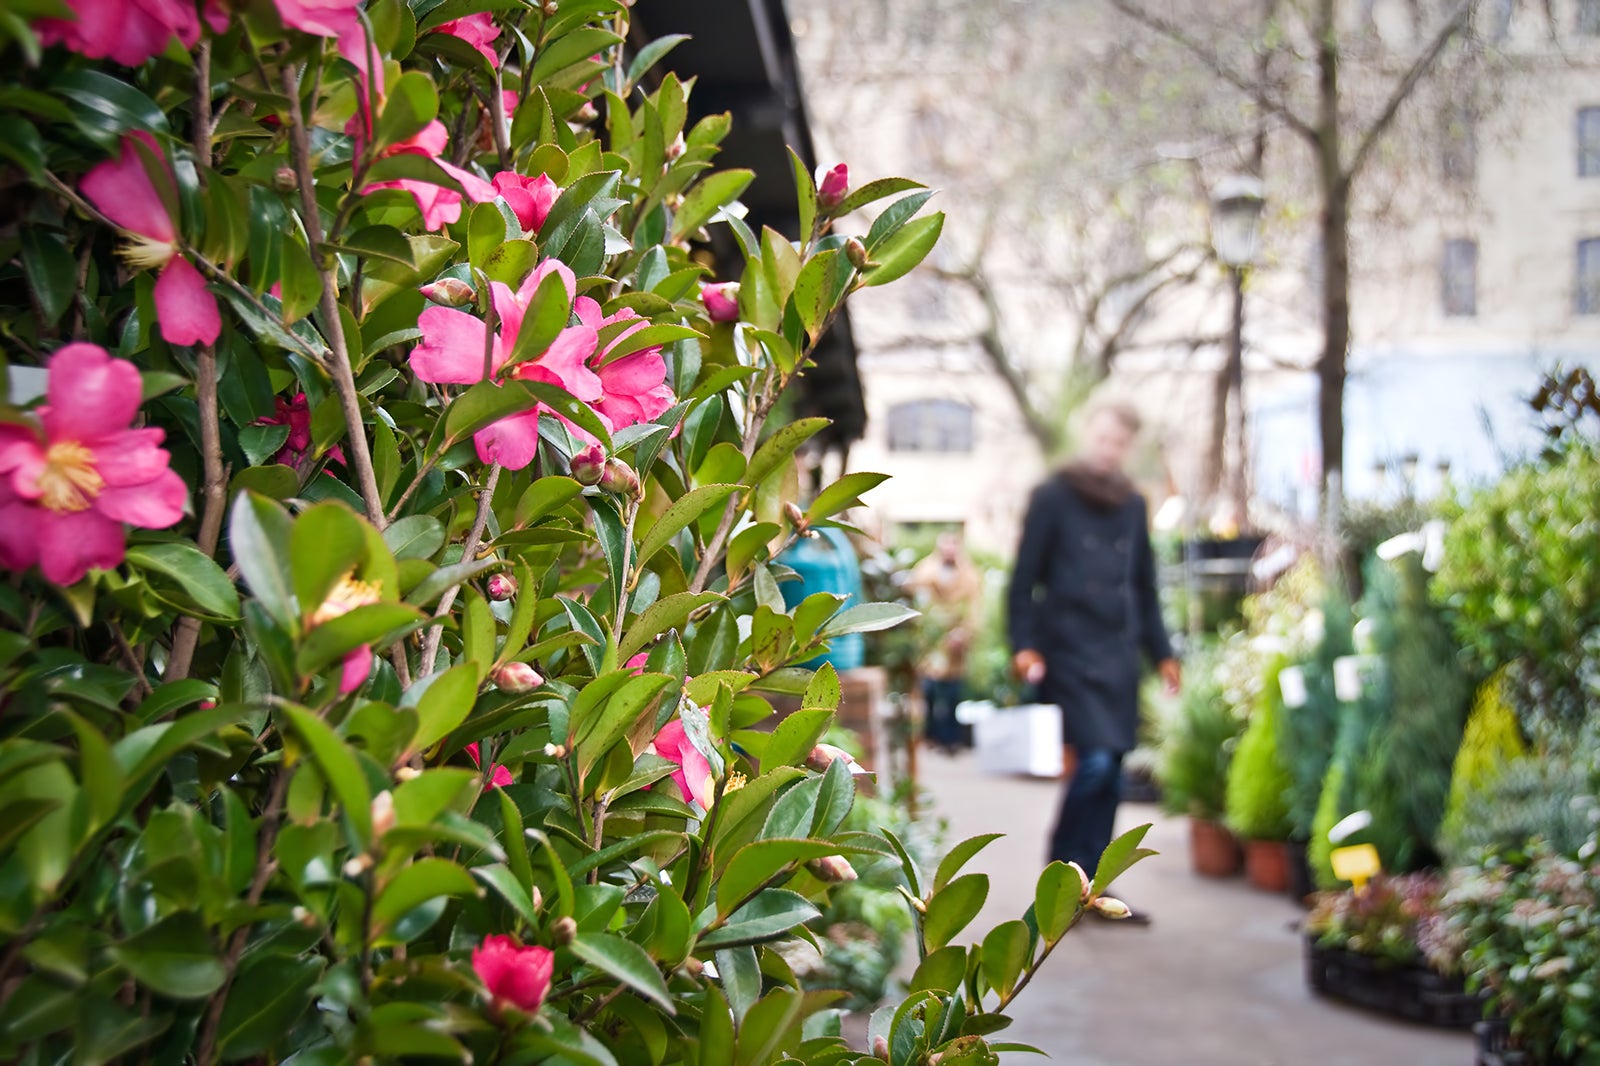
x=1335 y=255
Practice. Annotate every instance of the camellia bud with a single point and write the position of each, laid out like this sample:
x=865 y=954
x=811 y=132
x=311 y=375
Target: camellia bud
x=586 y=114
x=589 y=465
x=556 y=751
x=357 y=866
x=835 y=183
x=834 y=869
x=450 y=292
x=564 y=931
x=550 y=7
x=825 y=755
x=304 y=917
x=722 y=301
x=515 y=678
x=676 y=149
x=918 y=905
x=1110 y=908
x=382 y=813
x=407 y=773
x=880 y=1048
x=797 y=517
x=537 y=899
x=692 y=967
x=285 y=180
x=620 y=478
x=1087 y=889
x=856 y=252
x=502 y=587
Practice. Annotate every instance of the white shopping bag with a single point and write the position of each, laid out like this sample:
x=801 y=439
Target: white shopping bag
x=1023 y=740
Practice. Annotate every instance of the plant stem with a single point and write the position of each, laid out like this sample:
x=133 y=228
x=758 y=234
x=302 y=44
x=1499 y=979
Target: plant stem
x=214 y=496
x=622 y=580
x=430 y=645
x=333 y=325
x=597 y=836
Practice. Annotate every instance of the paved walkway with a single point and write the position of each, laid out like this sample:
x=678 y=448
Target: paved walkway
x=1217 y=980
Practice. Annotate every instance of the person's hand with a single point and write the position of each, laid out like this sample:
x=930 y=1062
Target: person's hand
x=1171 y=676
x=1028 y=666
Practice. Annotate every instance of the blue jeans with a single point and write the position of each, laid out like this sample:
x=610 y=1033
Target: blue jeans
x=942 y=728
x=1088 y=809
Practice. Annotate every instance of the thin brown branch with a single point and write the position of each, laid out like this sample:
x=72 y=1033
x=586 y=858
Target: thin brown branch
x=469 y=550
x=1406 y=85
x=214 y=501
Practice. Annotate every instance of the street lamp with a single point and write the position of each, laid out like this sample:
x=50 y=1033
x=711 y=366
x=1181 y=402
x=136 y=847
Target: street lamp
x=1236 y=205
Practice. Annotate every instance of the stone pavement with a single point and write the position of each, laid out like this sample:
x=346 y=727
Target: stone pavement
x=1217 y=980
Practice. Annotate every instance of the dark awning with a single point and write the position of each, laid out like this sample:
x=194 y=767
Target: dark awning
x=742 y=55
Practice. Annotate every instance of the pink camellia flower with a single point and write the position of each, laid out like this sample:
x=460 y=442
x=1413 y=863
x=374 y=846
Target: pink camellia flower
x=515 y=678
x=515 y=975
x=633 y=387
x=531 y=198
x=722 y=301
x=345 y=597
x=452 y=348
x=637 y=663
x=693 y=775
x=502 y=587
x=67 y=488
x=478 y=30
x=122 y=190
x=499 y=776
x=129 y=31
x=324 y=18
x=835 y=183
x=296 y=451
x=439 y=206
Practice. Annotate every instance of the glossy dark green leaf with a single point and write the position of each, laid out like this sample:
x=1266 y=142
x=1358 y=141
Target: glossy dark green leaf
x=843 y=494
x=200 y=584
x=259 y=536
x=417 y=536
x=1119 y=856
x=952 y=908
x=410 y=103
x=708 y=197
x=628 y=963
x=337 y=637
x=51 y=272
x=339 y=767
x=416 y=884
x=893 y=218
x=899 y=254
x=174 y=957
x=1005 y=954
x=325 y=546
x=777 y=449
x=677 y=517
x=867 y=618
x=265 y=1001
x=873 y=191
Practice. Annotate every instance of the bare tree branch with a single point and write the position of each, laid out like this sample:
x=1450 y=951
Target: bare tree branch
x=1406 y=85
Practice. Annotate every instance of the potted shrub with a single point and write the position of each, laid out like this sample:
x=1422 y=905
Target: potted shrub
x=1257 y=792
x=1196 y=746
x=1385 y=948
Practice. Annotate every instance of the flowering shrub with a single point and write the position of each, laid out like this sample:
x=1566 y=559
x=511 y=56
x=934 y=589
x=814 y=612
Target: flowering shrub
x=390 y=609
x=1528 y=928
x=1395 y=918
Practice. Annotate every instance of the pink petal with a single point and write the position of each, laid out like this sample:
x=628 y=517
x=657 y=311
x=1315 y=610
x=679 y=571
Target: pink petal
x=185 y=309
x=72 y=543
x=472 y=753
x=19 y=534
x=477 y=30
x=477 y=190
x=508 y=310
x=531 y=283
x=324 y=18
x=21 y=461
x=451 y=352
x=565 y=364
x=431 y=140
x=131 y=457
x=121 y=190
x=512 y=442
x=156 y=504
x=91 y=394
x=356 y=48
x=500 y=777
x=356 y=669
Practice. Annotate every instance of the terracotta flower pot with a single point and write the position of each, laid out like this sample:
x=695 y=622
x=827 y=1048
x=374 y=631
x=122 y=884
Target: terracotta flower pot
x=1266 y=864
x=1213 y=850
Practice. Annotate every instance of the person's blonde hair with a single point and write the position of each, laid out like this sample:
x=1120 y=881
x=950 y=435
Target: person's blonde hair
x=1121 y=410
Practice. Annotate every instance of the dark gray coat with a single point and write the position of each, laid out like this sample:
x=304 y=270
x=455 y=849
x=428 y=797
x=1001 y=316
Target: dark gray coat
x=1084 y=596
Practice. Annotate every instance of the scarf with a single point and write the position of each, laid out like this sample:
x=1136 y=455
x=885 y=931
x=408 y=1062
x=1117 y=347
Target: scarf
x=1100 y=489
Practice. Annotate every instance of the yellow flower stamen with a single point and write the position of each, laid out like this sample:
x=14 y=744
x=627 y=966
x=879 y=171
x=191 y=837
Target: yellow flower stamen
x=147 y=253
x=346 y=596
x=735 y=782
x=69 y=482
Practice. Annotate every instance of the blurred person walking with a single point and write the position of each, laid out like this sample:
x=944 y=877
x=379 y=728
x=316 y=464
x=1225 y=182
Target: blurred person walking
x=949 y=591
x=1082 y=608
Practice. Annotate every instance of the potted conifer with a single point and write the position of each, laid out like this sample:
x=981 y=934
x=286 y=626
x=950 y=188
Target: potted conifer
x=1258 y=785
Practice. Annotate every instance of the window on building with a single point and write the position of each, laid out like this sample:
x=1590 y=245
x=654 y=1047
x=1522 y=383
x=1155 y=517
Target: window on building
x=931 y=426
x=1458 y=156
x=1588 y=142
x=1587 y=291
x=1458 y=274
x=1589 y=18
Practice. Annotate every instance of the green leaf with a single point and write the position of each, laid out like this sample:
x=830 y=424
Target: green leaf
x=265 y=1001
x=1057 y=899
x=411 y=103
x=483 y=404
x=824 y=690
x=377 y=242
x=328 y=542
x=952 y=909
x=107 y=107
x=795 y=737
x=547 y=315
x=499 y=877
x=339 y=767
x=544 y=497
x=805 y=195
x=414 y=885
x=814 y=290
x=477 y=631
x=417 y=536
x=760 y=864
x=716 y=1029
x=843 y=494
x=337 y=637
x=201 y=583
x=628 y=963
x=652 y=53
x=873 y=191
x=711 y=195
x=959 y=856
x=769 y=915
x=867 y=618
x=1005 y=953
x=672 y=612
x=655 y=335
x=944 y=970
x=596 y=733
x=487 y=229
x=834 y=800
x=893 y=218
x=444 y=704
x=685 y=510
x=780 y=446
x=20 y=142
x=567 y=50
x=259 y=535
x=174 y=957
x=1119 y=856
x=99 y=772
x=899 y=254
x=52 y=275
